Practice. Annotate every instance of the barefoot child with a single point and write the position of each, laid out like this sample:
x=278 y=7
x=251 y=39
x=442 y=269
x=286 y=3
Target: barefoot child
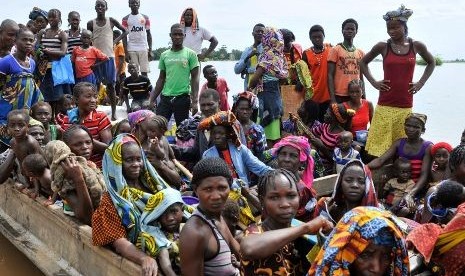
x=440 y=170
x=22 y=143
x=217 y=83
x=42 y=112
x=396 y=188
x=163 y=157
x=36 y=169
x=344 y=152
x=85 y=58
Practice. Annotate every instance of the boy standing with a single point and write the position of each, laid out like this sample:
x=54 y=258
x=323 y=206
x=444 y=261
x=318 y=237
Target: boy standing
x=138 y=43
x=139 y=87
x=120 y=62
x=179 y=78
x=102 y=39
x=217 y=83
x=86 y=57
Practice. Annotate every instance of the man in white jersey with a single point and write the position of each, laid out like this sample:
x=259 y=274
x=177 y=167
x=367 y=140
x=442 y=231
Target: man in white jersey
x=138 y=43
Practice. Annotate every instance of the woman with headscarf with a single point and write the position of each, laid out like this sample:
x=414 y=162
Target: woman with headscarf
x=413 y=148
x=245 y=107
x=39 y=17
x=224 y=135
x=366 y=240
x=354 y=187
x=293 y=153
x=136 y=197
x=138 y=123
x=397 y=88
x=264 y=83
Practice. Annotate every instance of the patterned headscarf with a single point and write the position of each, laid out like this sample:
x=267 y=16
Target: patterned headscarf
x=135 y=118
x=353 y=234
x=36 y=12
x=421 y=117
x=369 y=199
x=401 y=14
x=300 y=143
x=227 y=119
x=195 y=20
x=247 y=95
x=272 y=58
x=341 y=113
x=135 y=207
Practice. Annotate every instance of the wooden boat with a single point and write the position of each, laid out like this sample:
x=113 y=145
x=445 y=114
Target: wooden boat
x=59 y=244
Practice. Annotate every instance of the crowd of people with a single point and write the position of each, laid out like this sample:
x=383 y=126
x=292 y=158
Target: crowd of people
x=231 y=193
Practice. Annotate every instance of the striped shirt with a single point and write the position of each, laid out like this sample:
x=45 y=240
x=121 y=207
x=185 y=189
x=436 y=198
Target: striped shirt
x=220 y=264
x=73 y=42
x=138 y=88
x=96 y=121
x=53 y=43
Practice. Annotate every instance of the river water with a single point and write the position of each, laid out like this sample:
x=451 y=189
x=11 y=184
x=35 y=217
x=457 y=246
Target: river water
x=442 y=99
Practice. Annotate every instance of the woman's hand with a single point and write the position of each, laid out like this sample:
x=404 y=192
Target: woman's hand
x=149 y=266
x=382 y=85
x=319 y=223
x=71 y=168
x=415 y=87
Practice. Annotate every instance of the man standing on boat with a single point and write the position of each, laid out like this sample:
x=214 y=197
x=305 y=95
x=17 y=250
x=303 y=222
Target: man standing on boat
x=178 y=81
x=138 y=43
x=195 y=34
x=247 y=64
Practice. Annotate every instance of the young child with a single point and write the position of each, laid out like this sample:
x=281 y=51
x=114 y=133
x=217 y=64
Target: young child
x=170 y=222
x=36 y=169
x=440 y=170
x=66 y=103
x=344 y=152
x=396 y=188
x=159 y=149
x=57 y=151
x=120 y=127
x=22 y=143
x=217 y=83
x=139 y=87
x=42 y=112
x=85 y=58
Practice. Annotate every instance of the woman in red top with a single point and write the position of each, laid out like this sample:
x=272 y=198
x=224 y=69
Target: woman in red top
x=397 y=88
x=363 y=108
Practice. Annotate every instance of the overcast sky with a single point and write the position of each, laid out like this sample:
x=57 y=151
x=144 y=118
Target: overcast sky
x=439 y=24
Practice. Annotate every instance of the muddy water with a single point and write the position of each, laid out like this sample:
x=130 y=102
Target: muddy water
x=13 y=262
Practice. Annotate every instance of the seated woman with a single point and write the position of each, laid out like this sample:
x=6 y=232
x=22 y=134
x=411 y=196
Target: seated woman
x=293 y=154
x=413 y=148
x=366 y=241
x=268 y=248
x=324 y=137
x=245 y=108
x=226 y=145
x=129 y=209
x=363 y=109
x=85 y=114
x=442 y=246
x=354 y=187
x=207 y=244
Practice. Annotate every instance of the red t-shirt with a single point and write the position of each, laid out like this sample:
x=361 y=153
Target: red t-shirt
x=361 y=118
x=223 y=89
x=318 y=66
x=83 y=59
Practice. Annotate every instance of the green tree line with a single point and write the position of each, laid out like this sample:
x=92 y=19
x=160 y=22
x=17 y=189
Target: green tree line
x=220 y=53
